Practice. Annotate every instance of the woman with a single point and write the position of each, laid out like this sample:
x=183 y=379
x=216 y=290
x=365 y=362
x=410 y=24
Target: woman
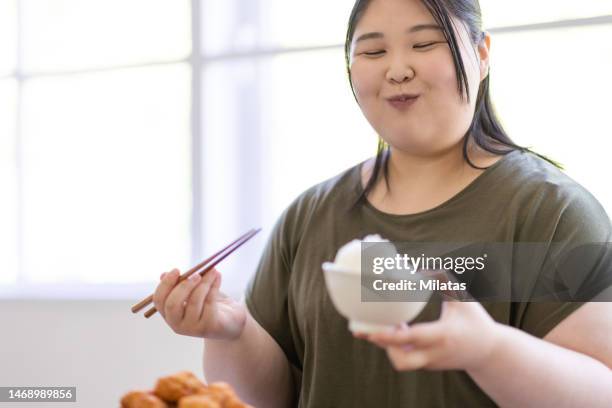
x=419 y=72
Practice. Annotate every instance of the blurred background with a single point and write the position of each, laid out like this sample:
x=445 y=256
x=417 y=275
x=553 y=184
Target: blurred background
x=141 y=135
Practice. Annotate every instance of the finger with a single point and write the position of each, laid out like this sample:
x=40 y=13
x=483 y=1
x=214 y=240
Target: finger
x=175 y=302
x=420 y=335
x=168 y=280
x=407 y=360
x=368 y=336
x=360 y=335
x=379 y=337
x=213 y=294
x=386 y=345
x=196 y=301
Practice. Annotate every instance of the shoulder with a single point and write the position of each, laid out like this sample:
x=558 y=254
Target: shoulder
x=338 y=190
x=547 y=195
x=336 y=193
x=532 y=172
x=541 y=176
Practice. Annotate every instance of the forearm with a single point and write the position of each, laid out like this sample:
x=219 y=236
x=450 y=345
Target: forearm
x=254 y=364
x=524 y=371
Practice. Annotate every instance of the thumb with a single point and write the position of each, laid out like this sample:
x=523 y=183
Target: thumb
x=448 y=309
x=452 y=308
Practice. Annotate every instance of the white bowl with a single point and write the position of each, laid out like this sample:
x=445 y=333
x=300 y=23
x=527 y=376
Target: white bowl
x=344 y=288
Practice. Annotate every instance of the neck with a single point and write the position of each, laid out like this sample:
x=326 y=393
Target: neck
x=409 y=172
x=418 y=183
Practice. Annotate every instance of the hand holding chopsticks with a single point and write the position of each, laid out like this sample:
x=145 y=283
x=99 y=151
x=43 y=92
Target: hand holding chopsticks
x=201 y=268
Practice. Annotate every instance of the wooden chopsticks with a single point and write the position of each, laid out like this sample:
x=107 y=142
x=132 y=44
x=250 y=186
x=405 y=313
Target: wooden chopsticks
x=222 y=254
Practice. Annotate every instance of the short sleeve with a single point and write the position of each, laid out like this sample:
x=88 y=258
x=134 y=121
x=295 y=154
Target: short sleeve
x=578 y=263
x=541 y=317
x=268 y=290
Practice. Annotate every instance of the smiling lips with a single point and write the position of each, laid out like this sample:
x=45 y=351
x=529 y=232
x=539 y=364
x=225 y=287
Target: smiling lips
x=403 y=101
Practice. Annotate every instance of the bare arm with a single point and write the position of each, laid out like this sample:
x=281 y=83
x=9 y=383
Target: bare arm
x=570 y=368
x=525 y=371
x=254 y=364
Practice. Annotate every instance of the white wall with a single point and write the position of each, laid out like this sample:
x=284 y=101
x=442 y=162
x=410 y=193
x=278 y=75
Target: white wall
x=98 y=346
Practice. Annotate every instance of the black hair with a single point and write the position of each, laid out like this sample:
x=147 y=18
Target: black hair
x=485 y=129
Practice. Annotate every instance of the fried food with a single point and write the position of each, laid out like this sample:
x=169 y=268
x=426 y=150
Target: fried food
x=184 y=390
x=219 y=391
x=234 y=402
x=199 y=401
x=141 y=399
x=174 y=387
x=224 y=394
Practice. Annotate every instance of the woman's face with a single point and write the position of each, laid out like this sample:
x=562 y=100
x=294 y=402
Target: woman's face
x=397 y=49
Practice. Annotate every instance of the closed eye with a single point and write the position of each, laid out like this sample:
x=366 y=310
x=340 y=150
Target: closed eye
x=374 y=53
x=427 y=45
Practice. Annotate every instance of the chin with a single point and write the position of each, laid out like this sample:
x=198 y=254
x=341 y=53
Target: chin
x=406 y=140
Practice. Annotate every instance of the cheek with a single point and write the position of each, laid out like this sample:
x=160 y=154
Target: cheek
x=450 y=103
x=365 y=82
x=445 y=80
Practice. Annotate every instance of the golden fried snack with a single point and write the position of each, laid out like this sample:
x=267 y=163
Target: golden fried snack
x=224 y=394
x=219 y=391
x=198 y=401
x=141 y=399
x=174 y=387
x=234 y=402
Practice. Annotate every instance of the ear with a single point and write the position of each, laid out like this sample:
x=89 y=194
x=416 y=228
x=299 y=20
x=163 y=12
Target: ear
x=483 y=52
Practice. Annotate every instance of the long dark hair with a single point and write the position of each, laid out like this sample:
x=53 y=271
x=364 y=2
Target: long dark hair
x=485 y=129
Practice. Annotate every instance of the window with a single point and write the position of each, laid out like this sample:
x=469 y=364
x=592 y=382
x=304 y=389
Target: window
x=552 y=90
x=106 y=174
x=124 y=154
x=524 y=12
x=8 y=182
x=8 y=144
x=235 y=26
x=8 y=37
x=77 y=34
x=95 y=134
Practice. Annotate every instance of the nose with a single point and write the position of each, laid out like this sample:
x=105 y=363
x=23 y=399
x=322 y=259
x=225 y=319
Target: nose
x=400 y=71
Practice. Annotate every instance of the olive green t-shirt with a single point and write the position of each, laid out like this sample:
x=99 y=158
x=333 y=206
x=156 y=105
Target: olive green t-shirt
x=521 y=198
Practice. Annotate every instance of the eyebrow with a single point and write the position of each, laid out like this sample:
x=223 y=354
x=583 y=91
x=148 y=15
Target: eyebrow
x=414 y=29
